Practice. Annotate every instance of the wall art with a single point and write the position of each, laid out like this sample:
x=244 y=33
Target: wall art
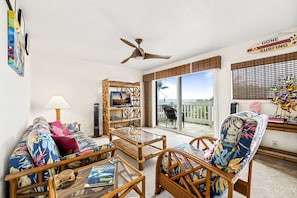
x=16 y=43
x=279 y=42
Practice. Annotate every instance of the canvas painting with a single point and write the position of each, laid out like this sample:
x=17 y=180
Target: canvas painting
x=16 y=50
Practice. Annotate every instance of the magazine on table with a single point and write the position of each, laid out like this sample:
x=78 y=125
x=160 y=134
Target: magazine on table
x=101 y=175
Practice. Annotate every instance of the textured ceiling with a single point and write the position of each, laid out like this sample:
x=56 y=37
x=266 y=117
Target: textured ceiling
x=91 y=29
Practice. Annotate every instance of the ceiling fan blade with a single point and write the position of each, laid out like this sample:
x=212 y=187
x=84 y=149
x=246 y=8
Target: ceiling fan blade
x=125 y=60
x=128 y=43
x=147 y=56
x=134 y=54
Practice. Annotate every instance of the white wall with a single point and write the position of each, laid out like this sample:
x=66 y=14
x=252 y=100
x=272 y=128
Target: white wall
x=223 y=87
x=14 y=101
x=78 y=81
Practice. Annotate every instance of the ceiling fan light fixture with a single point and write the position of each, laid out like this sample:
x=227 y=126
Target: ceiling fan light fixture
x=139 y=57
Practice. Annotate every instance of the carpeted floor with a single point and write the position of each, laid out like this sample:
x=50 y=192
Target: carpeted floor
x=272 y=178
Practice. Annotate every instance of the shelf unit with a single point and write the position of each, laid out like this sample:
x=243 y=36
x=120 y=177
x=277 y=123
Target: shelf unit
x=118 y=117
x=278 y=153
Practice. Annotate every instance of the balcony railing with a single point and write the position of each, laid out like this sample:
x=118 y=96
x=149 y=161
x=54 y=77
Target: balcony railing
x=198 y=112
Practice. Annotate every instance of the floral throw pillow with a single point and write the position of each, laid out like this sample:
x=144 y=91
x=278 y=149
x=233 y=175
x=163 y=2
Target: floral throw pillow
x=42 y=147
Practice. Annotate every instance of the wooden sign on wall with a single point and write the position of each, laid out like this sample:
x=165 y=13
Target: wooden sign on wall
x=275 y=43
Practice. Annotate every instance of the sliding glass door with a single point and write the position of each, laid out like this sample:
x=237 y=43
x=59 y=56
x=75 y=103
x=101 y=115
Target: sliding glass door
x=185 y=104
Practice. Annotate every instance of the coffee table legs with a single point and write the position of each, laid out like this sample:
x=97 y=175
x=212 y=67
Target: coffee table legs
x=140 y=157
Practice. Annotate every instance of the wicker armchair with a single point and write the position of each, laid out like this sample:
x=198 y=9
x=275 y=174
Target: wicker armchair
x=170 y=113
x=209 y=167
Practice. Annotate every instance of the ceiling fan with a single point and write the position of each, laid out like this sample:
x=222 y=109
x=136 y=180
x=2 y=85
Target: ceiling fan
x=139 y=53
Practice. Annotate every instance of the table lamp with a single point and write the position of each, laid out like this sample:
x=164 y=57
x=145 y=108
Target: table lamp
x=57 y=103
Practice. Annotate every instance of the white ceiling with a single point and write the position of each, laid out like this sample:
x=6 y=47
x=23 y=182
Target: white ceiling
x=91 y=29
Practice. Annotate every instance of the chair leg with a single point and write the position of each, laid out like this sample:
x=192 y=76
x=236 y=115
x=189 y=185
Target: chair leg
x=230 y=190
x=249 y=182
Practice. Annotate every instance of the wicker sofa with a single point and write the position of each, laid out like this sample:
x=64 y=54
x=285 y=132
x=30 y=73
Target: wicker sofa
x=209 y=167
x=44 y=150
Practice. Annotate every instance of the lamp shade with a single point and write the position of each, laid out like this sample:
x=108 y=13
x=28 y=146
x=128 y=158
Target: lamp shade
x=57 y=102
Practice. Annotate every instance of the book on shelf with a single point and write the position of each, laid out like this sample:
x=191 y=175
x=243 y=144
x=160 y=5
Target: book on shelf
x=276 y=120
x=101 y=175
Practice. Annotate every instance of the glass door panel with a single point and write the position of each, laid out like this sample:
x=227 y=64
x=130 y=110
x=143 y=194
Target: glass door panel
x=166 y=103
x=197 y=104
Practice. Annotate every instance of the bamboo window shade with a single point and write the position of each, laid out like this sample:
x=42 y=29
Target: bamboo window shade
x=197 y=66
x=254 y=79
x=176 y=71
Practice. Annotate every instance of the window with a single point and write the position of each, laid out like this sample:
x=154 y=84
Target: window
x=255 y=79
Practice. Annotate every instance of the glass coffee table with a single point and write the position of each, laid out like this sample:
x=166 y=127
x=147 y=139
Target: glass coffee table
x=140 y=145
x=128 y=182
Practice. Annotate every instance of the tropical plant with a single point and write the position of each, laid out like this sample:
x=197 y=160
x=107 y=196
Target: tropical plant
x=161 y=86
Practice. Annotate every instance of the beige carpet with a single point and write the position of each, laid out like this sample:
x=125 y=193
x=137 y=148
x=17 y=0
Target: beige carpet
x=272 y=178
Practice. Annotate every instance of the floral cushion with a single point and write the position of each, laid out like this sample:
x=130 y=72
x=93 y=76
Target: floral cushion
x=86 y=151
x=72 y=127
x=83 y=140
x=232 y=151
x=42 y=121
x=21 y=160
x=43 y=149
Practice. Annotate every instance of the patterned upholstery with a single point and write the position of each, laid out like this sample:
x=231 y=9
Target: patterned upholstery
x=37 y=148
x=73 y=127
x=86 y=145
x=21 y=160
x=240 y=137
x=41 y=146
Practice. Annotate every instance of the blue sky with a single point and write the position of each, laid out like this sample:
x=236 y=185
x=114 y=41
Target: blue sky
x=194 y=86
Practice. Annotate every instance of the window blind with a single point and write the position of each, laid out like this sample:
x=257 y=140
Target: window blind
x=255 y=79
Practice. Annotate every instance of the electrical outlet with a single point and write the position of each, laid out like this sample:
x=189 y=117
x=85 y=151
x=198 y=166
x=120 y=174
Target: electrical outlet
x=274 y=143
